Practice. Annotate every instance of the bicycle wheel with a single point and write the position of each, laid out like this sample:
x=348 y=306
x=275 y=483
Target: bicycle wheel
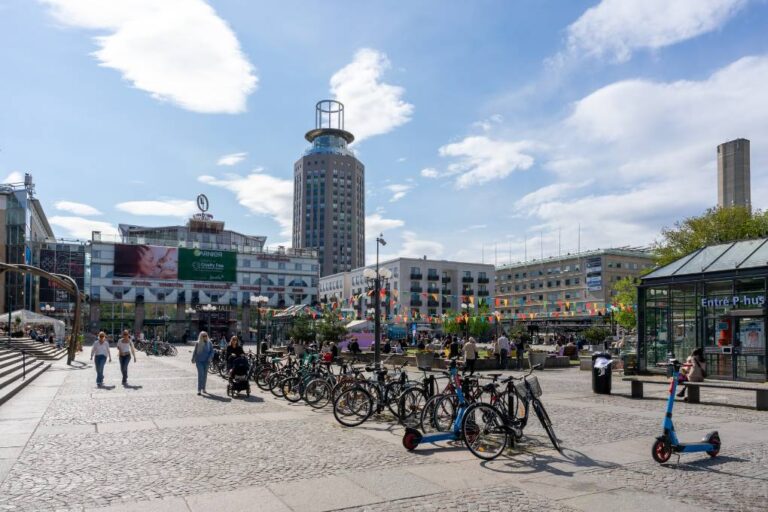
x=445 y=413
x=291 y=389
x=484 y=432
x=409 y=406
x=317 y=393
x=353 y=407
x=392 y=393
x=274 y=384
x=541 y=413
x=427 y=420
x=262 y=377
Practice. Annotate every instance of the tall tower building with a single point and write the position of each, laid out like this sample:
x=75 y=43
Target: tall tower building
x=329 y=194
x=733 y=181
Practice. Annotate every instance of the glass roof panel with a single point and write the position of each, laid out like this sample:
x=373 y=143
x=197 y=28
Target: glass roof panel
x=759 y=258
x=668 y=270
x=736 y=255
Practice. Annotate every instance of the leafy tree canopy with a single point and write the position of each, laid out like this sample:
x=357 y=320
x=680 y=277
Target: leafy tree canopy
x=715 y=226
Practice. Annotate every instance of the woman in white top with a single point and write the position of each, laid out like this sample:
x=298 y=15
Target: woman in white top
x=99 y=354
x=125 y=350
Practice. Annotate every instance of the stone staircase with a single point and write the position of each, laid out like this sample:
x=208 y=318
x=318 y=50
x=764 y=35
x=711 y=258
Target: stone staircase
x=45 y=351
x=13 y=374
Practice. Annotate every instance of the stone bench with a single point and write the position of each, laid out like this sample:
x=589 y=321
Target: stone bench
x=761 y=390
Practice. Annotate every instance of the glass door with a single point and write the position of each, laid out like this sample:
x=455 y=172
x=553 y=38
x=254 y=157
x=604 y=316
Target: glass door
x=749 y=349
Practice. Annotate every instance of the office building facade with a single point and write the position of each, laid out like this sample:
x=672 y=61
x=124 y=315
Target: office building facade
x=329 y=194
x=419 y=288
x=570 y=292
x=733 y=174
x=157 y=280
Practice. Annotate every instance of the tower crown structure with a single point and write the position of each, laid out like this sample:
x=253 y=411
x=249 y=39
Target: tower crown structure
x=329 y=194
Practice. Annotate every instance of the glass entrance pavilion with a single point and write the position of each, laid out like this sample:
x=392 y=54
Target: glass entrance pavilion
x=713 y=298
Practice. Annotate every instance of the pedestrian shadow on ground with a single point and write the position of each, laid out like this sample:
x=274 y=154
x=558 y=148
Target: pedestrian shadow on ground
x=78 y=365
x=217 y=398
x=526 y=462
x=130 y=386
x=106 y=387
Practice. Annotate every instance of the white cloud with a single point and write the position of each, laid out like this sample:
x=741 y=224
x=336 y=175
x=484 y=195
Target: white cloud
x=637 y=155
x=398 y=191
x=232 y=159
x=401 y=159
x=482 y=159
x=13 y=177
x=375 y=224
x=262 y=194
x=615 y=28
x=76 y=208
x=414 y=246
x=81 y=228
x=429 y=172
x=179 y=51
x=371 y=106
x=487 y=125
x=165 y=208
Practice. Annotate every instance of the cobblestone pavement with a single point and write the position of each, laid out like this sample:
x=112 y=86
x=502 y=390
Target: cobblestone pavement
x=469 y=500
x=166 y=442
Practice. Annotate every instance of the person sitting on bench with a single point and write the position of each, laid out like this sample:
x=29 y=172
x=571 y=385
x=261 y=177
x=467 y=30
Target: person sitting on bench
x=694 y=370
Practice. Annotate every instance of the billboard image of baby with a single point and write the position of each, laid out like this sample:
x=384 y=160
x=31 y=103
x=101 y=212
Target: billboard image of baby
x=147 y=261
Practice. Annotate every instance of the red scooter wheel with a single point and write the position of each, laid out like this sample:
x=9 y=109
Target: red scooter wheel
x=411 y=439
x=715 y=441
x=661 y=451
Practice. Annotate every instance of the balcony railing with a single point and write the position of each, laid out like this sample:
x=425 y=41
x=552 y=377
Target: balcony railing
x=467 y=279
x=467 y=292
x=483 y=293
x=433 y=277
x=416 y=302
x=417 y=289
x=445 y=291
x=418 y=277
x=483 y=280
x=447 y=305
x=432 y=303
x=446 y=280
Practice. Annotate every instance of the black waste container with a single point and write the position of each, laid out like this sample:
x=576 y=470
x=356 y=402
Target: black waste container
x=601 y=377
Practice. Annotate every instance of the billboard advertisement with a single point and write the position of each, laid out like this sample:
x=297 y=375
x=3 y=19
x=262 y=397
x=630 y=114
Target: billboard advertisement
x=595 y=284
x=147 y=261
x=207 y=265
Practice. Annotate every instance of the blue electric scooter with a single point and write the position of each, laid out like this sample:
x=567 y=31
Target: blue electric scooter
x=667 y=444
x=413 y=437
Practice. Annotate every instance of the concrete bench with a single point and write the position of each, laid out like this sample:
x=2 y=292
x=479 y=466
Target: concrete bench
x=761 y=390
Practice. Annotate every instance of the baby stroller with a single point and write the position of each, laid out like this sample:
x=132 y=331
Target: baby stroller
x=238 y=377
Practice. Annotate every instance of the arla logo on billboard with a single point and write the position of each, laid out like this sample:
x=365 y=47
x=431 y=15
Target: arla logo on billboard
x=755 y=301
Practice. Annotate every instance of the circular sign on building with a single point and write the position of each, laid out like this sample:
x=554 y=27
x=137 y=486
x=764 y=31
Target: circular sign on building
x=202 y=203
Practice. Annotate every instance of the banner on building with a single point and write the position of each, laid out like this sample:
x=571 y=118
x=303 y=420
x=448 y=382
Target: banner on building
x=146 y=261
x=207 y=265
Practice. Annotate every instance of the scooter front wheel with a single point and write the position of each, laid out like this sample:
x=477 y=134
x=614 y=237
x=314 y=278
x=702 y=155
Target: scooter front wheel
x=661 y=451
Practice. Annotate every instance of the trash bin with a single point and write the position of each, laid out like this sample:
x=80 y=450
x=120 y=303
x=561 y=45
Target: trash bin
x=601 y=373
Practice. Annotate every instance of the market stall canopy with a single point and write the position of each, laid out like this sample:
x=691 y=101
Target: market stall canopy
x=30 y=319
x=360 y=326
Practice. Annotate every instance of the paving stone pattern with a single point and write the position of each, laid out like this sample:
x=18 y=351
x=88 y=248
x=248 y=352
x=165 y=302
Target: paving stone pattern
x=491 y=499
x=734 y=481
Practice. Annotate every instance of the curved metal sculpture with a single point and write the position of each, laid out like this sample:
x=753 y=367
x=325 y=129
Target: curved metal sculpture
x=68 y=284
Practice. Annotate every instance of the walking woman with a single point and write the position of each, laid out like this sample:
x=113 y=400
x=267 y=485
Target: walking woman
x=470 y=355
x=201 y=356
x=125 y=350
x=101 y=353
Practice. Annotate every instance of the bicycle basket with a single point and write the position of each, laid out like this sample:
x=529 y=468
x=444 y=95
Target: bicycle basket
x=533 y=383
x=520 y=388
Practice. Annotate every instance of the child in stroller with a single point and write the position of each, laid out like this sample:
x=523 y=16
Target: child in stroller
x=238 y=377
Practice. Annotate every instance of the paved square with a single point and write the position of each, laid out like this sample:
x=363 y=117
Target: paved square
x=67 y=445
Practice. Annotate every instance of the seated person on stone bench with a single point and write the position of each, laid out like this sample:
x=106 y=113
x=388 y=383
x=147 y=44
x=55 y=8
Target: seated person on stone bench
x=694 y=370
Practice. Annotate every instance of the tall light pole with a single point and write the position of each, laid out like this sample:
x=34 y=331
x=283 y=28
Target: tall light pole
x=209 y=309
x=258 y=300
x=189 y=311
x=375 y=277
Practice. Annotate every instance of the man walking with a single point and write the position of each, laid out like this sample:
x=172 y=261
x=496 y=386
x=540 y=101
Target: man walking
x=100 y=352
x=503 y=347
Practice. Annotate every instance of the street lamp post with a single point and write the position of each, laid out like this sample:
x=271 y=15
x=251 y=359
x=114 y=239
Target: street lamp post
x=209 y=309
x=258 y=300
x=375 y=277
x=189 y=311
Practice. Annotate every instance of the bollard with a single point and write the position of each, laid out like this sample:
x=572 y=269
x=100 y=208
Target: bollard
x=23 y=365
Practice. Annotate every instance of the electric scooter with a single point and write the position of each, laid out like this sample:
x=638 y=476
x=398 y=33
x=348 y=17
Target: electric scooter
x=413 y=437
x=667 y=444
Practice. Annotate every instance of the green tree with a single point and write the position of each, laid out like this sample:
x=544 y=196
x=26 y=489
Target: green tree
x=596 y=335
x=520 y=331
x=715 y=226
x=331 y=327
x=302 y=329
x=626 y=294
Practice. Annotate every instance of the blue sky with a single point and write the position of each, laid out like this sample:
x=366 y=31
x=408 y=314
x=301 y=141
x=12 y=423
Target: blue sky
x=487 y=128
